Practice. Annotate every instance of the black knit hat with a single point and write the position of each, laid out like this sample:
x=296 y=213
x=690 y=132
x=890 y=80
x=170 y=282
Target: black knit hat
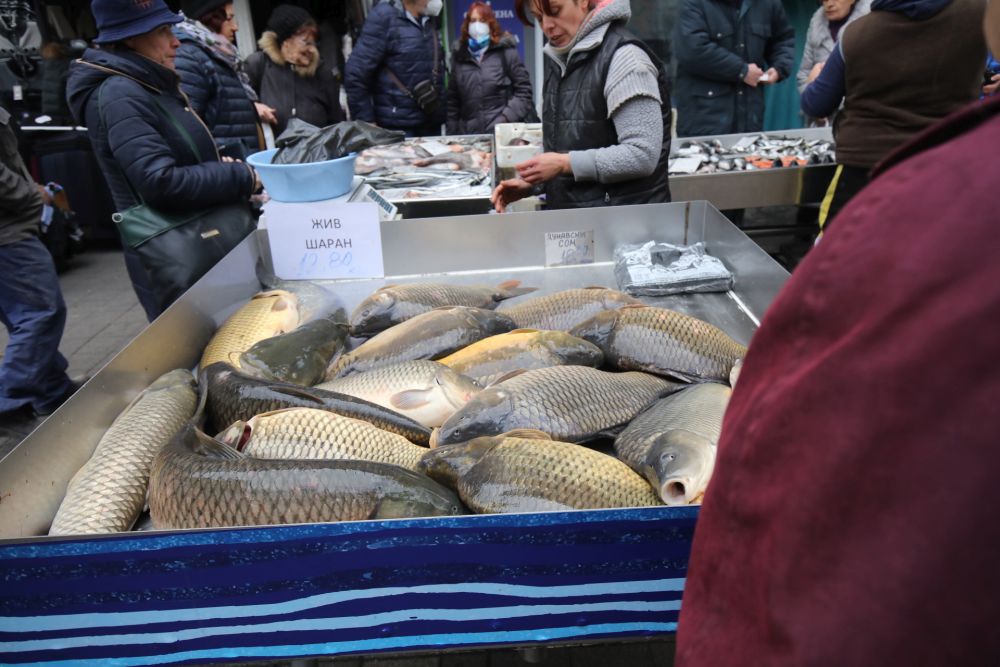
x=286 y=20
x=195 y=9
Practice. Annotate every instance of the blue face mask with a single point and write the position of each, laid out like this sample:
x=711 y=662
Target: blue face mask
x=478 y=44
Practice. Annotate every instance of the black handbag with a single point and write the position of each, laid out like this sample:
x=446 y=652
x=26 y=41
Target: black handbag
x=177 y=249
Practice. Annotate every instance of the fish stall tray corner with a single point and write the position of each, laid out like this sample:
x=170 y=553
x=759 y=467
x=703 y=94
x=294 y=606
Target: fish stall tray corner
x=327 y=589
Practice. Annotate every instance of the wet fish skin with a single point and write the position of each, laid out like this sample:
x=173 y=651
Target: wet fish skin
x=265 y=315
x=426 y=391
x=198 y=482
x=394 y=304
x=673 y=443
x=570 y=403
x=493 y=357
x=307 y=433
x=662 y=341
x=447 y=463
x=430 y=335
x=517 y=474
x=313 y=300
x=561 y=311
x=108 y=493
x=299 y=356
x=234 y=396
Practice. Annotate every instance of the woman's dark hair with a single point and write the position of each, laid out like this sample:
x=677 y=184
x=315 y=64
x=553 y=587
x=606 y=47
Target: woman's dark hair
x=487 y=16
x=525 y=9
x=214 y=19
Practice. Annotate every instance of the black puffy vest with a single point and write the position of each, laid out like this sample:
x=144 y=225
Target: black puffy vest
x=575 y=117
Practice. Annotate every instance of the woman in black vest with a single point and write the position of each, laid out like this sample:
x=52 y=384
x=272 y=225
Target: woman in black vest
x=606 y=111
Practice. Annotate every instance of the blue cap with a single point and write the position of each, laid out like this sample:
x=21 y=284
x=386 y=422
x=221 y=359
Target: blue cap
x=120 y=19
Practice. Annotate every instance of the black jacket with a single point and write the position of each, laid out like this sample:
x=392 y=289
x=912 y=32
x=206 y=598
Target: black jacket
x=714 y=42
x=20 y=201
x=217 y=95
x=482 y=93
x=133 y=138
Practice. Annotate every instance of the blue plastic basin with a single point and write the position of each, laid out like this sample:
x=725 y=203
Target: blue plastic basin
x=312 y=181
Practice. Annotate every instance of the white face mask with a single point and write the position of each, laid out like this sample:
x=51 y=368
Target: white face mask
x=434 y=7
x=478 y=30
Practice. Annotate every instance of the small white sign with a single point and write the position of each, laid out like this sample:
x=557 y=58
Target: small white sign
x=325 y=240
x=564 y=248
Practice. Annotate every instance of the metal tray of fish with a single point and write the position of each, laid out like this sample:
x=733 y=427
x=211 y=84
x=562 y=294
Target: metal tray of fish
x=288 y=591
x=777 y=186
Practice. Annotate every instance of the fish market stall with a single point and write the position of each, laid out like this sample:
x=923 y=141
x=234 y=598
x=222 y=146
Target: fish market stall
x=752 y=173
x=378 y=586
x=432 y=176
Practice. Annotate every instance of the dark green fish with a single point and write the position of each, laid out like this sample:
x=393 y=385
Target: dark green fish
x=299 y=356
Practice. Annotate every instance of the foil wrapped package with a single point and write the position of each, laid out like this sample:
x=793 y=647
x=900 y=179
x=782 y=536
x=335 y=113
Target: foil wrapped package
x=661 y=269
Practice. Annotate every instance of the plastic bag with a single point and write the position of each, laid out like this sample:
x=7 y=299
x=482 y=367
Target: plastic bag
x=660 y=269
x=303 y=142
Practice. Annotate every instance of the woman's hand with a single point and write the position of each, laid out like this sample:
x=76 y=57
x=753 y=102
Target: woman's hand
x=544 y=167
x=266 y=113
x=508 y=192
x=991 y=88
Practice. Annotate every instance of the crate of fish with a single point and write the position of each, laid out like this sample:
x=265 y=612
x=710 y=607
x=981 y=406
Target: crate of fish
x=473 y=451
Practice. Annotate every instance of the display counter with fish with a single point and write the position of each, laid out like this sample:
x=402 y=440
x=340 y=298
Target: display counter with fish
x=378 y=584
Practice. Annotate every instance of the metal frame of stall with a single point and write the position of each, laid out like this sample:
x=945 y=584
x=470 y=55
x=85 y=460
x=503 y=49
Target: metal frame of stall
x=229 y=594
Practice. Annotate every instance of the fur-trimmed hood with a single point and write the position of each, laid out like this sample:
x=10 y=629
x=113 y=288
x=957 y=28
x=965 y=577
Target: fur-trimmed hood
x=269 y=44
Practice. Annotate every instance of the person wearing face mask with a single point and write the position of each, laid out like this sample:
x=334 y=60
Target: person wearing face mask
x=489 y=84
x=606 y=111
x=395 y=74
x=148 y=141
x=288 y=73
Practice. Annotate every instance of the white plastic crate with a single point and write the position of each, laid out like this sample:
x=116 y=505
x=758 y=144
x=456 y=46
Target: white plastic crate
x=504 y=133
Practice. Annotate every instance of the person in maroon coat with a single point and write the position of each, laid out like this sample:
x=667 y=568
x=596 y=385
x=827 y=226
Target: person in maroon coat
x=852 y=516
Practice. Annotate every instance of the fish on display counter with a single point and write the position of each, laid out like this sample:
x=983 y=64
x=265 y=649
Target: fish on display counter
x=750 y=153
x=673 y=443
x=428 y=167
x=563 y=310
x=265 y=315
x=393 y=304
x=527 y=472
x=299 y=356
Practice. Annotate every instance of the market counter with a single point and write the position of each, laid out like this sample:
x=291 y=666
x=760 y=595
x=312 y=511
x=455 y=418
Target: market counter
x=280 y=592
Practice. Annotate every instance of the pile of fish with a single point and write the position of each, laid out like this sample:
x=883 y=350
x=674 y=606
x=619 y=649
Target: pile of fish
x=749 y=154
x=456 y=399
x=428 y=167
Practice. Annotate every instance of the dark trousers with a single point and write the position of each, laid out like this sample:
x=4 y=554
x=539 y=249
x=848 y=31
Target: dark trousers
x=847 y=182
x=33 y=372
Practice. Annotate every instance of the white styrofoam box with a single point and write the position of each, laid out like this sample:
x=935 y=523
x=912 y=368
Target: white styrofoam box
x=504 y=133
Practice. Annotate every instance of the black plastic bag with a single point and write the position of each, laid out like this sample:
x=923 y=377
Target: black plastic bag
x=302 y=142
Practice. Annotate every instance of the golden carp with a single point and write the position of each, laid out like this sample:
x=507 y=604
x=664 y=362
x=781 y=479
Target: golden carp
x=564 y=310
x=306 y=433
x=662 y=341
x=393 y=304
x=526 y=349
x=108 y=493
x=509 y=473
x=430 y=335
x=570 y=403
x=267 y=314
x=426 y=391
x=673 y=443
x=198 y=482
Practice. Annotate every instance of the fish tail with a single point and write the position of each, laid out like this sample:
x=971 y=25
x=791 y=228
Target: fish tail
x=511 y=288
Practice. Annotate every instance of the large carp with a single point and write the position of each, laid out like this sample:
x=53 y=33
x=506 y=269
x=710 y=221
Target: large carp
x=430 y=335
x=662 y=341
x=673 y=443
x=108 y=493
x=521 y=349
x=393 y=304
x=234 y=396
x=513 y=473
x=561 y=311
x=570 y=403
x=299 y=356
x=198 y=482
x=265 y=315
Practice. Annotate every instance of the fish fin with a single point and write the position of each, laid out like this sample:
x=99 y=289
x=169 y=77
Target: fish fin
x=508 y=289
x=526 y=433
x=507 y=376
x=523 y=331
x=600 y=287
x=208 y=446
x=432 y=442
x=391 y=508
x=265 y=277
x=611 y=432
x=634 y=305
x=301 y=393
x=410 y=399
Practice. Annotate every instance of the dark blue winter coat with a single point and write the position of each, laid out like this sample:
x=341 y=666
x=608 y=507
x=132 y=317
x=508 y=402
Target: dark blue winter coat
x=132 y=136
x=714 y=42
x=391 y=40
x=217 y=95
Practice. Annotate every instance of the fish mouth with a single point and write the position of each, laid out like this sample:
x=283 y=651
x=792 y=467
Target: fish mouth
x=675 y=491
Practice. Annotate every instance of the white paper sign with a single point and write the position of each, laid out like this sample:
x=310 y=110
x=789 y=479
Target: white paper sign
x=324 y=240
x=562 y=248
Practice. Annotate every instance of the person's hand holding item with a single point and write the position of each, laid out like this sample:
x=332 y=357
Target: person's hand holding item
x=991 y=88
x=753 y=75
x=814 y=72
x=544 y=167
x=508 y=192
x=46 y=195
x=265 y=113
x=771 y=76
